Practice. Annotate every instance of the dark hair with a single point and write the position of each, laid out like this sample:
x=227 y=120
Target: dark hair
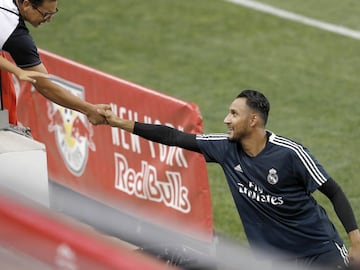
x=256 y=101
x=36 y=3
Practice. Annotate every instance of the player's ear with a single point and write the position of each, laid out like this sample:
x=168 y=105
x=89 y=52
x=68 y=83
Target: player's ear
x=26 y=3
x=254 y=119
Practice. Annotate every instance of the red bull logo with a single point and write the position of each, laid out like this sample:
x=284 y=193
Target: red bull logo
x=73 y=132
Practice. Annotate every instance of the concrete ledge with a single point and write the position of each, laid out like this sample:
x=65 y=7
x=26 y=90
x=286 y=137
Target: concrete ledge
x=23 y=166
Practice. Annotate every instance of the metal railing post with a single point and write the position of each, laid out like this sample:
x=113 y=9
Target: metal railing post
x=4 y=114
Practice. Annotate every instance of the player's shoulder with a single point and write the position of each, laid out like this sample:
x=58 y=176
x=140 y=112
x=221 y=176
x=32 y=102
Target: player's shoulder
x=9 y=6
x=284 y=142
x=9 y=17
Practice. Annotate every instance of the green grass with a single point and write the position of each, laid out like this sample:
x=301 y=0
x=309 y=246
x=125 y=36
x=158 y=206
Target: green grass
x=206 y=51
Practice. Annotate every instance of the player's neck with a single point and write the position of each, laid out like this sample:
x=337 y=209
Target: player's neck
x=254 y=144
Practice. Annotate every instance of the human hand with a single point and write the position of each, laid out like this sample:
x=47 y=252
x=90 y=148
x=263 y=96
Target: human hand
x=354 y=250
x=109 y=115
x=115 y=121
x=94 y=115
x=30 y=76
x=354 y=256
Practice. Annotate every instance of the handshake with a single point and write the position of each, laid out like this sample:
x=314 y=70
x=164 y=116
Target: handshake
x=100 y=114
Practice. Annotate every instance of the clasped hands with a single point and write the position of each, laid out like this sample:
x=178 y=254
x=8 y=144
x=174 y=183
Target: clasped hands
x=101 y=114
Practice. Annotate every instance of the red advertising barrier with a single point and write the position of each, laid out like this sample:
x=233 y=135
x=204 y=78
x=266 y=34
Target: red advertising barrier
x=165 y=185
x=7 y=90
x=33 y=232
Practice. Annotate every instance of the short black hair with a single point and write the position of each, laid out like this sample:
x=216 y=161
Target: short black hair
x=257 y=101
x=35 y=3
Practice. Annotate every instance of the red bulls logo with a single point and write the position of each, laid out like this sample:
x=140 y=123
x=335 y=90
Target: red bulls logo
x=81 y=131
x=73 y=132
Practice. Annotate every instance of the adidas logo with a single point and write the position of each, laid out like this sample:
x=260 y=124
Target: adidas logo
x=238 y=168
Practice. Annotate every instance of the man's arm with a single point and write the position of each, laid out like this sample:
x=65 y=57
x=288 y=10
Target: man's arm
x=20 y=73
x=61 y=96
x=156 y=133
x=346 y=215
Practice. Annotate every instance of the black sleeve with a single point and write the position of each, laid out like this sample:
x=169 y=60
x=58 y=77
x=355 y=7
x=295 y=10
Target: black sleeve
x=341 y=204
x=22 y=48
x=166 y=135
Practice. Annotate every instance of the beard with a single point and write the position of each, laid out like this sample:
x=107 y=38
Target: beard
x=237 y=136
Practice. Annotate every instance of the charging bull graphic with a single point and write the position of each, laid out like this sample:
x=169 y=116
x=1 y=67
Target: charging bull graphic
x=73 y=132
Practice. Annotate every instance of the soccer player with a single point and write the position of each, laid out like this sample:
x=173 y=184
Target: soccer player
x=16 y=40
x=271 y=179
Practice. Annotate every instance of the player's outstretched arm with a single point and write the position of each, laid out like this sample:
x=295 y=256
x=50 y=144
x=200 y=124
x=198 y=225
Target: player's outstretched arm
x=156 y=133
x=115 y=121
